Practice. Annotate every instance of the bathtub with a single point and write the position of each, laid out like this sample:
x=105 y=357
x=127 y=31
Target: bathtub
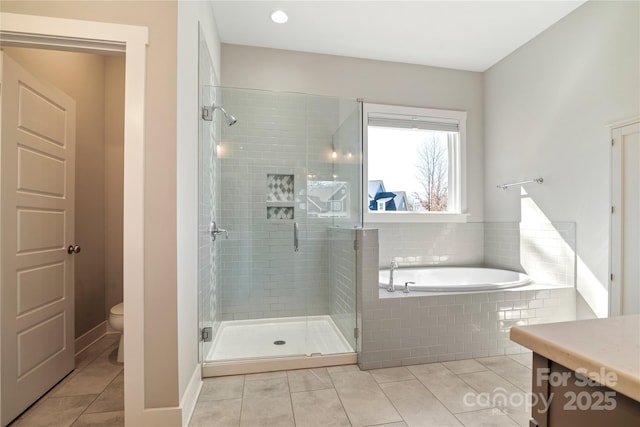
x=453 y=279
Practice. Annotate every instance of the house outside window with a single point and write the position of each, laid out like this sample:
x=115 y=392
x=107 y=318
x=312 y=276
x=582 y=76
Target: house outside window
x=414 y=164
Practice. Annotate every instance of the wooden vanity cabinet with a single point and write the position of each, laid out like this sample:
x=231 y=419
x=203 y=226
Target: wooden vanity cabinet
x=576 y=401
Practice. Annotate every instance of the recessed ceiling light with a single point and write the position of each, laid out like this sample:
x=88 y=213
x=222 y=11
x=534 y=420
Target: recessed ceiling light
x=279 y=17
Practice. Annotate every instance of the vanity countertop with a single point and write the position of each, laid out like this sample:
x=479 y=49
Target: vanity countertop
x=602 y=347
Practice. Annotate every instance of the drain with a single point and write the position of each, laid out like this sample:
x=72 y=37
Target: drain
x=280 y=342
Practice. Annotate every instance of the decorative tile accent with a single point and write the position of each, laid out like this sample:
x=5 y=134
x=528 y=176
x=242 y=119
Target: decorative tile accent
x=279 y=213
x=279 y=188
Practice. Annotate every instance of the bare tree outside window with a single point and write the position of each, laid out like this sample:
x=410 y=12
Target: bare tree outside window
x=414 y=160
x=432 y=173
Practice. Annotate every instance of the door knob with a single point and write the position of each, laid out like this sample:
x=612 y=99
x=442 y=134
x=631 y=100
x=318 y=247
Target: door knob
x=73 y=249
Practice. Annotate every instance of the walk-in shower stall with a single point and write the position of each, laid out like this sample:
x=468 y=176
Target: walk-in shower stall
x=280 y=199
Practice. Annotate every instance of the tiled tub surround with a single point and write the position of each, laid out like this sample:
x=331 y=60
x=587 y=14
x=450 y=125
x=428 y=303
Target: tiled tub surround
x=431 y=244
x=545 y=251
x=406 y=329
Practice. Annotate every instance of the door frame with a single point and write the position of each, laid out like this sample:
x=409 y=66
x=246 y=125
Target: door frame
x=615 y=230
x=104 y=38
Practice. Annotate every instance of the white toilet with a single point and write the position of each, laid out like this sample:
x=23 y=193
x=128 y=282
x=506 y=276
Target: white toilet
x=116 y=320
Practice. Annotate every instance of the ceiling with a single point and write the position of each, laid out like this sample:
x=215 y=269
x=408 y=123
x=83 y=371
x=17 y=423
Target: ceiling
x=465 y=35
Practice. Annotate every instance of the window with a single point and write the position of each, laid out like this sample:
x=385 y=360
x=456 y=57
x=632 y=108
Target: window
x=414 y=164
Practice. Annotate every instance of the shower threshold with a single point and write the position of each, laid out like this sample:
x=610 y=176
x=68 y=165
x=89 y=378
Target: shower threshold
x=262 y=345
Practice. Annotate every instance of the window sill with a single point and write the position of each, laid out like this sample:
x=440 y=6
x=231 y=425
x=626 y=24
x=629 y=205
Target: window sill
x=410 y=217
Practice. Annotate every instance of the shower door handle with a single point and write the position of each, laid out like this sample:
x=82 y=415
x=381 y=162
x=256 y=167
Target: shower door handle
x=214 y=231
x=296 y=230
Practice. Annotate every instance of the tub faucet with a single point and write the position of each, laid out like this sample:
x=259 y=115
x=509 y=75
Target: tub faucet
x=394 y=265
x=406 y=286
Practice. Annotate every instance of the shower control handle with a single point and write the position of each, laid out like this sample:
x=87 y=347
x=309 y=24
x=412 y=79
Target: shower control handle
x=296 y=231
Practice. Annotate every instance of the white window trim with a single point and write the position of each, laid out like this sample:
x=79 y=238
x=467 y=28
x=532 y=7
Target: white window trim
x=461 y=181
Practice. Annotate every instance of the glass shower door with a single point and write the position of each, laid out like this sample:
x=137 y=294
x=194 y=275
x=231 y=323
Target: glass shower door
x=263 y=279
x=208 y=201
x=282 y=181
x=332 y=190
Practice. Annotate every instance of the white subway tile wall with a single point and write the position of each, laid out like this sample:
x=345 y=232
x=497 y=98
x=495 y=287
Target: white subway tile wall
x=545 y=251
x=431 y=244
x=367 y=255
x=342 y=302
x=276 y=135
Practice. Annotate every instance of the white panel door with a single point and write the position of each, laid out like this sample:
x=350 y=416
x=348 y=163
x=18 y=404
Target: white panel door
x=37 y=175
x=625 y=221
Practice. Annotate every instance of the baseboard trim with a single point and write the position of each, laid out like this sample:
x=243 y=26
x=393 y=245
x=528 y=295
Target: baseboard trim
x=160 y=417
x=191 y=394
x=173 y=416
x=89 y=337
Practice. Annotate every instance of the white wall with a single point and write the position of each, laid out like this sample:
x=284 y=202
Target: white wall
x=547 y=108
x=189 y=15
x=375 y=81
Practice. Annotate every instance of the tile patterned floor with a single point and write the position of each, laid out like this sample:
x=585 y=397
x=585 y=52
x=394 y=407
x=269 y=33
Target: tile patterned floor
x=91 y=395
x=491 y=391
x=480 y=392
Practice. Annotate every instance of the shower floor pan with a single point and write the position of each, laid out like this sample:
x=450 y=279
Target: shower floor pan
x=262 y=345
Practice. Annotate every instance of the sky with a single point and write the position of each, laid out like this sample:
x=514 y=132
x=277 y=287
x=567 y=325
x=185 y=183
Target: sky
x=392 y=156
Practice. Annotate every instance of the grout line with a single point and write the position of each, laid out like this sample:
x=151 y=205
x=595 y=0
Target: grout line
x=100 y=394
x=340 y=398
x=434 y=395
x=500 y=376
x=480 y=410
x=507 y=379
x=244 y=381
x=85 y=409
x=67 y=377
x=391 y=401
x=517 y=361
x=458 y=376
x=293 y=411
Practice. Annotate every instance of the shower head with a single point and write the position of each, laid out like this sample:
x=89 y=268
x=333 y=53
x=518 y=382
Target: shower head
x=228 y=118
